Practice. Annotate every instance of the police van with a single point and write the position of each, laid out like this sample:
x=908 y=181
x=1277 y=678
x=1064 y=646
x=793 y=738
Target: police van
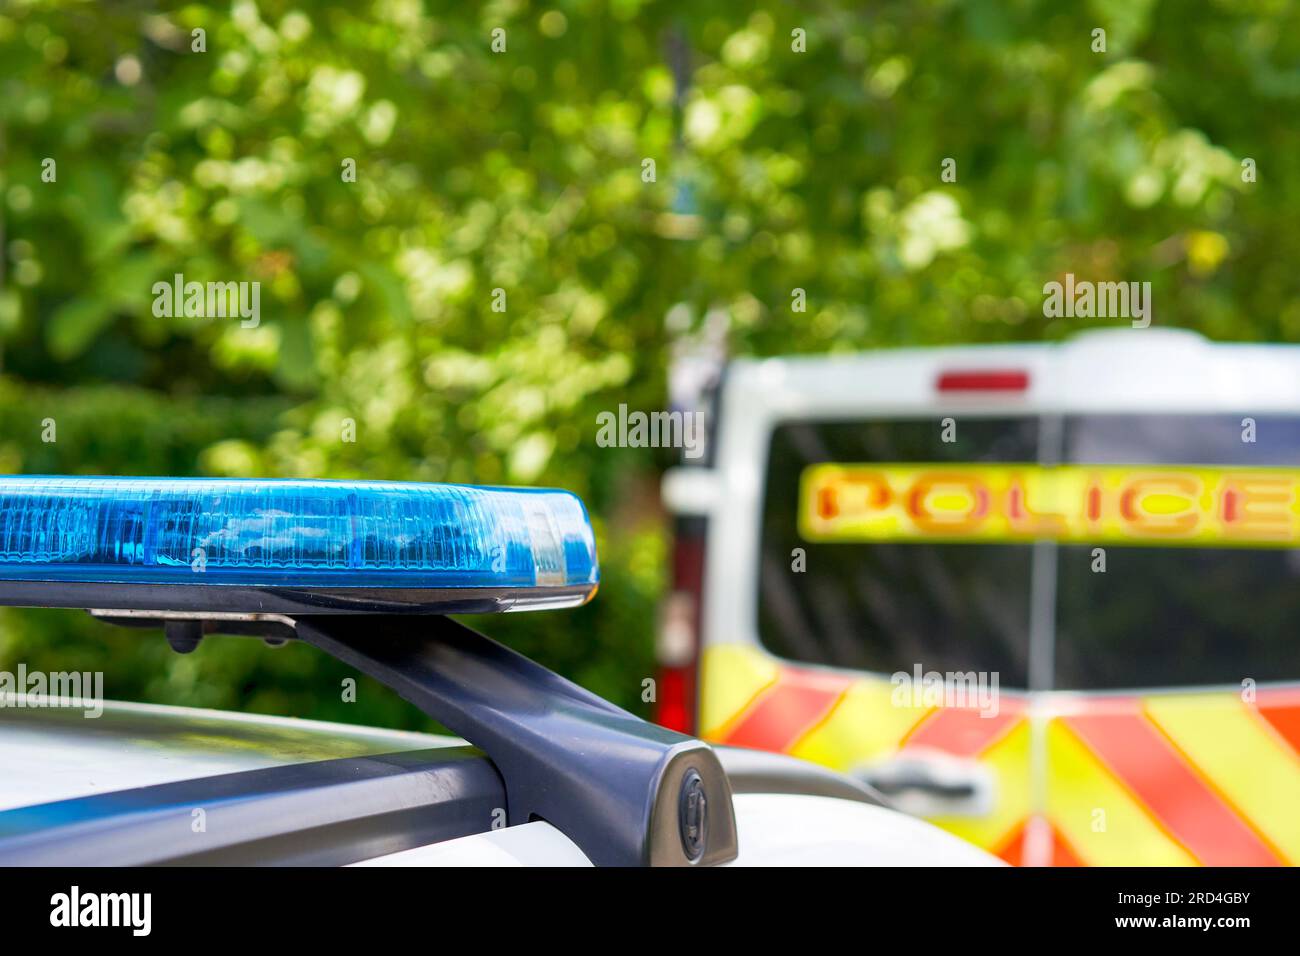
x=1043 y=595
x=543 y=773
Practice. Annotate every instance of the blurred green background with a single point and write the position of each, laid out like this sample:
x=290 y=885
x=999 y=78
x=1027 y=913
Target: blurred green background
x=522 y=170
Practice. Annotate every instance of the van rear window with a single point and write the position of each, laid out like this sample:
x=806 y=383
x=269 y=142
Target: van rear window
x=885 y=606
x=1197 y=577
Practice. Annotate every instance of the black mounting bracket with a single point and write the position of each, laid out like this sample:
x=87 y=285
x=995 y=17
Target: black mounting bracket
x=625 y=791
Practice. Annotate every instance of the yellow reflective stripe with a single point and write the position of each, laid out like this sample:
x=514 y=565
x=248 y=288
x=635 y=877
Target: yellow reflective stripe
x=1008 y=758
x=730 y=677
x=1241 y=758
x=865 y=725
x=1123 y=833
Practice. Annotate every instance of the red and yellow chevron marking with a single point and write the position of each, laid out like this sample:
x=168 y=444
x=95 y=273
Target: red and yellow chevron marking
x=963 y=731
x=1241 y=758
x=1013 y=850
x=1180 y=799
x=1193 y=778
x=1281 y=709
x=1159 y=780
x=1007 y=755
x=779 y=716
x=846 y=720
x=1096 y=814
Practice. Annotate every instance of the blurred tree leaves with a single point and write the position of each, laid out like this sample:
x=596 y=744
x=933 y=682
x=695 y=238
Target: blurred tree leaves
x=521 y=171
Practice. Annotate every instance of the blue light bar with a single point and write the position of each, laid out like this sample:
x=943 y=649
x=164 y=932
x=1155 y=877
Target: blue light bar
x=292 y=534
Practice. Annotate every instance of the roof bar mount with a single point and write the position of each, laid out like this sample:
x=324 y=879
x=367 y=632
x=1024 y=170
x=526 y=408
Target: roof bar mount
x=625 y=791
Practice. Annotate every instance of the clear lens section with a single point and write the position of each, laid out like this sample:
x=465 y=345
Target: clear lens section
x=292 y=533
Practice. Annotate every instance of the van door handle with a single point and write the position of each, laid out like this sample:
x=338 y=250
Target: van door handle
x=931 y=783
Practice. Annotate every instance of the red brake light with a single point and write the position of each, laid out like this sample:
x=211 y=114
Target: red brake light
x=676 y=700
x=984 y=380
x=678 y=643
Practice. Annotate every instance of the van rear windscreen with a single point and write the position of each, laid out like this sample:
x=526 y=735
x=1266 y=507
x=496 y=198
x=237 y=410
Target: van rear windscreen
x=1177 y=537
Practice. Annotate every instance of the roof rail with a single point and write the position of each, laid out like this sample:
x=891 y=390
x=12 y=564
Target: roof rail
x=625 y=791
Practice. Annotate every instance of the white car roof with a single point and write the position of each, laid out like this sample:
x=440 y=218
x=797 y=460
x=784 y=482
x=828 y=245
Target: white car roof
x=59 y=753
x=774 y=829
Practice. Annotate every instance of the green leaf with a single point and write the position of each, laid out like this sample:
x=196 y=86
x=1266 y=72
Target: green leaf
x=75 y=324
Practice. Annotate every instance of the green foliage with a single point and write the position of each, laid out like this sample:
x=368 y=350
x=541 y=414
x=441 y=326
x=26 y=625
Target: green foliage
x=523 y=171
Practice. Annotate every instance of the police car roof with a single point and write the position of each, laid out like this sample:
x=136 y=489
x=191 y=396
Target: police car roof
x=64 y=748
